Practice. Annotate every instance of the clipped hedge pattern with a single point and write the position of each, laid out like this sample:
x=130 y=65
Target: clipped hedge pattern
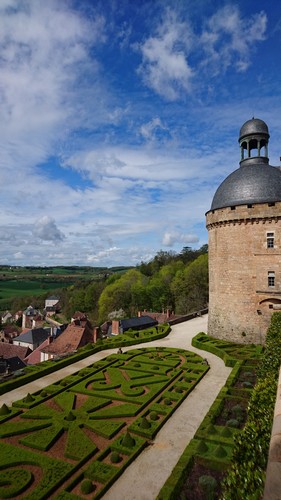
x=213 y=444
x=88 y=419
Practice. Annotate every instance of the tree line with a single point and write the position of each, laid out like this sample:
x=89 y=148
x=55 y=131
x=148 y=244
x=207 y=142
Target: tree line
x=174 y=281
x=178 y=282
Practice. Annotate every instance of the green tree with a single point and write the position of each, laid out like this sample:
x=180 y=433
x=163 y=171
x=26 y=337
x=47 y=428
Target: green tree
x=191 y=286
x=121 y=294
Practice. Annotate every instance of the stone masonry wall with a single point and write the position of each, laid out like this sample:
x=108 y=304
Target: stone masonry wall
x=240 y=300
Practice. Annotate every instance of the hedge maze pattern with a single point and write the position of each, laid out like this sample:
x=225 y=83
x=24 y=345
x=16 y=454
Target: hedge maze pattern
x=76 y=437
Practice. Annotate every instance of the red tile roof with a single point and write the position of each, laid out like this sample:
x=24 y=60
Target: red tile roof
x=35 y=356
x=73 y=337
x=11 y=350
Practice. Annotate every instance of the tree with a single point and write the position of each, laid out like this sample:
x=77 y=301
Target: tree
x=121 y=294
x=191 y=286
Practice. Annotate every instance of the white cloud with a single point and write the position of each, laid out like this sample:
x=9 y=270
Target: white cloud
x=44 y=48
x=170 y=238
x=148 y=130
x=164 y=66
x=46 y=229
x=229 y=39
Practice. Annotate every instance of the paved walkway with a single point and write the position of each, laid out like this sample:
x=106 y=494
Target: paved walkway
x=146 y=475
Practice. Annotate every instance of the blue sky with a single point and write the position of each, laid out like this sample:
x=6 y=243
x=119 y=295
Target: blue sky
x=119 y=119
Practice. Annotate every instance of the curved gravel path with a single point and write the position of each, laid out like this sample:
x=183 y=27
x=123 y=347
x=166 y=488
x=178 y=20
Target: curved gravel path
x=147 y=474
x=144 y=478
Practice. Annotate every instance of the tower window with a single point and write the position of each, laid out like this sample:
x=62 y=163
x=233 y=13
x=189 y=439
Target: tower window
x=271 y=278
x=270 y=240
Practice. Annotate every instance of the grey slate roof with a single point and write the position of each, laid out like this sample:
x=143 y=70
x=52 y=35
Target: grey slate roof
x=142 y=322
x=255 y=181
x=35 y=336
x=249 y=184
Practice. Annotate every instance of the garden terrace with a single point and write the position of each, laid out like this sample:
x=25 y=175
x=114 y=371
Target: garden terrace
x=207 y=458
x=33 y=372
x=77 y=436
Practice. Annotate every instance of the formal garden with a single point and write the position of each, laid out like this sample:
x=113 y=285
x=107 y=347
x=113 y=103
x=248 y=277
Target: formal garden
x=227 y=458
x=74 y=438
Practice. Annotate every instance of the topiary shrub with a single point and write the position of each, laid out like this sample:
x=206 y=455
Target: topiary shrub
x=115 y=458
x=128 y=441
x=202 y=447
x=247 y=384
x=232 y=423
x=220 y=452
x=70 y=417
x=211 y=429
x=144 y=423
x=153 y=416
x=179 y=390
x=43 y=394
x=4 y=410
x=226 y=432
x=167 y=401
x=28 y=398
x=87 y=487
x=208 y=485
x=237 y=411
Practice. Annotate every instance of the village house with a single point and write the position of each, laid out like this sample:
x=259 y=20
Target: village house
x=52 y=305
x=32 y=318
x=77 y=334
x=32 y=338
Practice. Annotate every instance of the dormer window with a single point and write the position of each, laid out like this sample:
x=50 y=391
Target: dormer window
x=271 y=278
x=270 y=240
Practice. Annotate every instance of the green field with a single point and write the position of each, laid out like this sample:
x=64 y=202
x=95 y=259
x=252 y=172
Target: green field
x=28 y=281
x=12 y=289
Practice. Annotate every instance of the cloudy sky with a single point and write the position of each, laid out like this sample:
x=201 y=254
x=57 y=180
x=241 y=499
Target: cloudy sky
x=120 y=118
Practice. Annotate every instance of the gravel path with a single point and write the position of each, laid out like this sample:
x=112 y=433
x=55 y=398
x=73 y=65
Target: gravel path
x=146 y=475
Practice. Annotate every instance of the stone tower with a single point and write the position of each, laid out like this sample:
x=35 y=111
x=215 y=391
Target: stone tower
x=244 y=225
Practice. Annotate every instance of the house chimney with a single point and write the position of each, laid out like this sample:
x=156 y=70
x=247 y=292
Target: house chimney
x=115 y=327
x=95 y=333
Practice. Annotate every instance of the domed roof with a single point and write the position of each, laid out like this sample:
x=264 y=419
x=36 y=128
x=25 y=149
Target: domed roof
x=252 y=183
x=253 y=127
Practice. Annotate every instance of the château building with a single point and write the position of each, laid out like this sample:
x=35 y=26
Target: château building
x=244 y=226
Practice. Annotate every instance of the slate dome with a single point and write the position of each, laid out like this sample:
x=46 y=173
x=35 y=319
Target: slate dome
x=248 y=185
x=255 y=181
x=253 y=127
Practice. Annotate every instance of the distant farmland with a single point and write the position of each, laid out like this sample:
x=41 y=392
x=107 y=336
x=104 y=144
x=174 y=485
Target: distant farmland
x=11 y=289
x=17 y=281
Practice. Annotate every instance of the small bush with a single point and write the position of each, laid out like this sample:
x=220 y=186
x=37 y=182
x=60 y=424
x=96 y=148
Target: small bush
x=232 y=423
x=128 y=441
x=208 y=485
x=247 y=384
x=28 y=399
x=115 y=458
x=220 y=452
x=144 y=423
x=153 y=416
x=167 y=401
x=87 y=487
x=202 y=447
x=226 y=432
x=70 y=417
x=4 y=410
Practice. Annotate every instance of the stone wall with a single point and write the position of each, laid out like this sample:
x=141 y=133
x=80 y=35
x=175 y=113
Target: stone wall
x=240 y=300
